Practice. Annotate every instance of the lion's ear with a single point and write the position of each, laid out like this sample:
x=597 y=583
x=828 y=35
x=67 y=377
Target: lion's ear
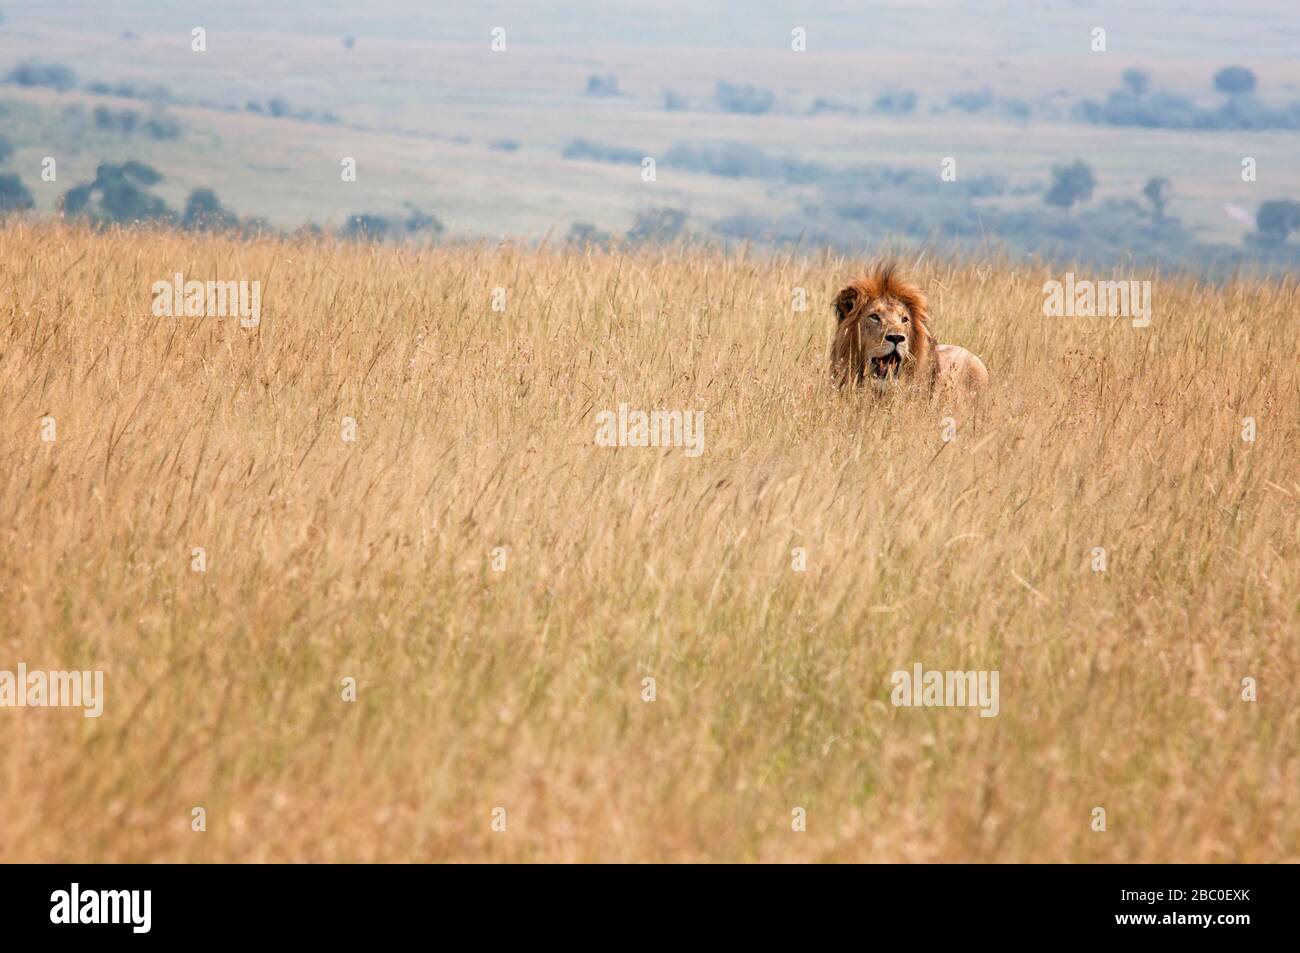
x=845 y=302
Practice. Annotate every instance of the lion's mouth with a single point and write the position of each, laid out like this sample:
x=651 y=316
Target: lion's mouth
x=886 y=367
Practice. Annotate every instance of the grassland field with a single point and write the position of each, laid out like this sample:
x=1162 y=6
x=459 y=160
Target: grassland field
x=500 y=587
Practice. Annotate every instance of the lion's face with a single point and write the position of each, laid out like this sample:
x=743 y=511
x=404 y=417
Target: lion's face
x=885 y=330
x=881 y=335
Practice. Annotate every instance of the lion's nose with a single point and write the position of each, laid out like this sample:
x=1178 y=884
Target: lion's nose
x=896 y=338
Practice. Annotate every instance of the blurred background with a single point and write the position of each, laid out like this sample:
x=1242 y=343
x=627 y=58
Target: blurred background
x=1173 y=138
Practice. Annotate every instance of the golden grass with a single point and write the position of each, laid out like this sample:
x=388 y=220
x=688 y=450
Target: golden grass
x=522 y=689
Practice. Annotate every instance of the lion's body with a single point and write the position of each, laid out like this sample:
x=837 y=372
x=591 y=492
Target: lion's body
x=882 y=336
x=958 y=367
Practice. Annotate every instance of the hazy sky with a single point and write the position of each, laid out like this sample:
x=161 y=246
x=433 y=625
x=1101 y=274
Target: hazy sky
x=1264 y=29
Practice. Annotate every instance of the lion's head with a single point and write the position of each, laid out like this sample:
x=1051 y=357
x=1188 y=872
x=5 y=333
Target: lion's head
x=882 y=333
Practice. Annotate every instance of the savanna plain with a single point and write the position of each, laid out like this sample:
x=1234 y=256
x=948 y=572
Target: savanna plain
x=627 y=653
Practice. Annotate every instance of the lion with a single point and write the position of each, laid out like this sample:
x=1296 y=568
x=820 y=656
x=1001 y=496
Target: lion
x=882 y=334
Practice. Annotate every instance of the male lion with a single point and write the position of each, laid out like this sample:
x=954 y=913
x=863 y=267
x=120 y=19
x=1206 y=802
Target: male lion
x=882 y=335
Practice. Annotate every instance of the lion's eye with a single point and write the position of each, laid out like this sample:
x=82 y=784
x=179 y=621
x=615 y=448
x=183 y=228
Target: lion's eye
x=874 y=317
x=905 y=320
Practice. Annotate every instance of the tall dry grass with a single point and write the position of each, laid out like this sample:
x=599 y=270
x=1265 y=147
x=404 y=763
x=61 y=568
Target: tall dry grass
x=523 y=688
